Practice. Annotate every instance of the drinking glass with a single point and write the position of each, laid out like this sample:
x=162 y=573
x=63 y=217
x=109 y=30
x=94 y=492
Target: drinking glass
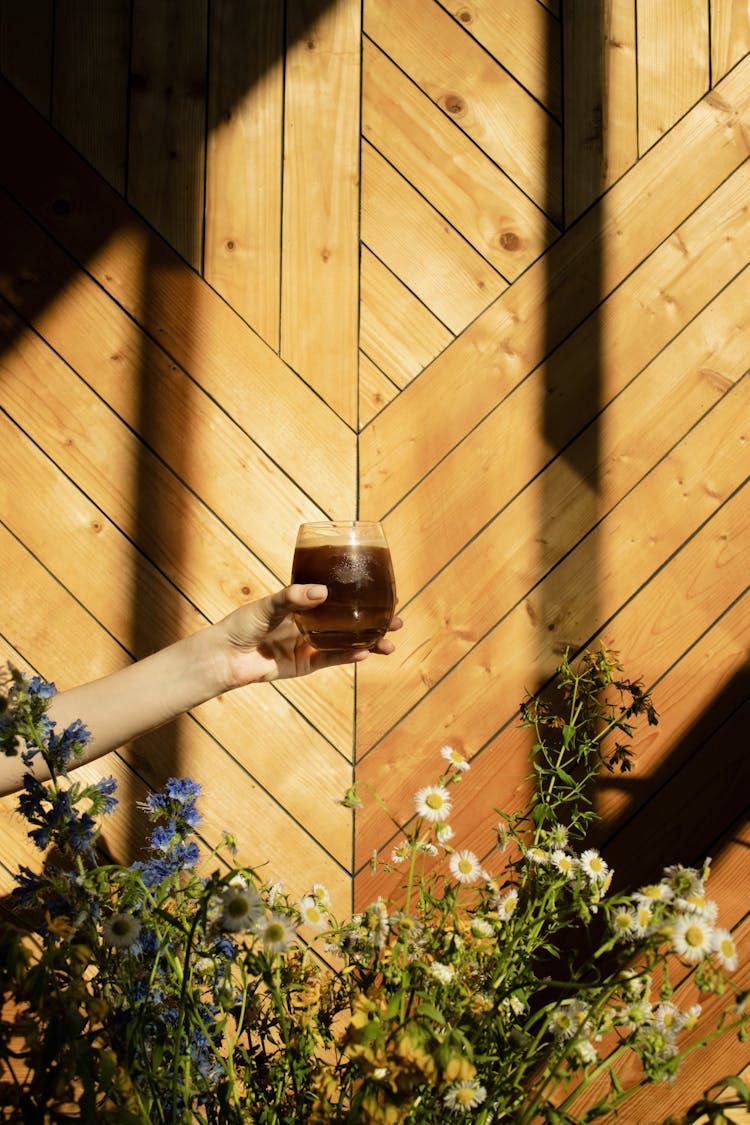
x=351 y=558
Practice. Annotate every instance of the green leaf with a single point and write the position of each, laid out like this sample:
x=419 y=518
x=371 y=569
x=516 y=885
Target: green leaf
x=430 y=1012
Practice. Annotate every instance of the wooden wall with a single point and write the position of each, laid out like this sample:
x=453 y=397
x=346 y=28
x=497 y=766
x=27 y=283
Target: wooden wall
x=477 y=269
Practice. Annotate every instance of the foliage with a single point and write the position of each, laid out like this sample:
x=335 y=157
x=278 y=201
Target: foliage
x=156 y=992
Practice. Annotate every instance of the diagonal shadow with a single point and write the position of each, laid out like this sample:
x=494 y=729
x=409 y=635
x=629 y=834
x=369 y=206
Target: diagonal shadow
x=53 y=193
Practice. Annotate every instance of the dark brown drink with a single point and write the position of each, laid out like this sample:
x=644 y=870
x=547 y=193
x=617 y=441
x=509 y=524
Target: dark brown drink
x=361 y=594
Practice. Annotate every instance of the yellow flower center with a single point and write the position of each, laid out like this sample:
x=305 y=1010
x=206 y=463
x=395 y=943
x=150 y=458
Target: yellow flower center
x=434 y=801
x=465 y=866
x=694 y=936
x=465 y=1096
x=274 y=932
x=727 y=948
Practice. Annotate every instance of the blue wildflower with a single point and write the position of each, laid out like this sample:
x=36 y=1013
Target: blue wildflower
x=225 y=947
x=35 y=685
x=106 y=787
x=163 y=836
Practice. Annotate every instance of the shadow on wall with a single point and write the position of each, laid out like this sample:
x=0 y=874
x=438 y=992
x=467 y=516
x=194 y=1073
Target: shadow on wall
x=52 y=184
x=697 y=796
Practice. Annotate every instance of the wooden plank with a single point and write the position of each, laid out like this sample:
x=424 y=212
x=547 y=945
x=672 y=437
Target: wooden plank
x=483 y=100
x=190 y=321
x=26 y=35
x=290 y=759
x=211 y=567
x=655 y=521
x=320 y=225
x=78 y=649
x=499 y=566
x=166 y=153
x=553 y=296
x=397 y=332
x=523 y=37
x=417 y=244
x=242 y=252
x=90 y=91
x=601 y=122
x=730 y=35
x=673 y=63
x=447 y=168
x=465 y=491
x=375 y=389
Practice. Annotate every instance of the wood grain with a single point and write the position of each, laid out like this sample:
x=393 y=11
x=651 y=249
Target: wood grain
x=320 y=247
x=242 y=248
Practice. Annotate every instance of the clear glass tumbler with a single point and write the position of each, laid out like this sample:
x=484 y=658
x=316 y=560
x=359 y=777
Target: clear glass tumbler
x=351 y=558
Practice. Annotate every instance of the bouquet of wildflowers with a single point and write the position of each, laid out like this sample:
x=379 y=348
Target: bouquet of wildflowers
x=183 y=988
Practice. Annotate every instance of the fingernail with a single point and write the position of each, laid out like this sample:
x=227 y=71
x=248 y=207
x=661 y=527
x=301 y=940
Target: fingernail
x=314 y=593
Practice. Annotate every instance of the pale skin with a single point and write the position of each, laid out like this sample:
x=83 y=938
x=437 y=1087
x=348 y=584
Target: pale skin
x=256 y=643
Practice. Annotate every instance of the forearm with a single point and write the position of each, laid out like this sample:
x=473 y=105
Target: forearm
x=136 y=699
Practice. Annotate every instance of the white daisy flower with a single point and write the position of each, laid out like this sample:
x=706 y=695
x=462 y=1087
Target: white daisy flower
x=637 y=1014
x=433 y=803
x=480 y=927
x=567 y=1019
x=594 y=866
x=376 y=922
x=557 y=836
x=122 y=930
x=444 y=833
x=538 y=855
x=565 y=863
x=427 y=848
x=466 y=1095
x=691 y=1017
x=501 y=832
x=668 y=1019
x=455 y=758
x=408 y=928
x=241 y=906
x=586 y=1052
x=683 y=881
x=401 y=852
x=275 y=931
x=692 y=937
x=465 y=866
x=654 y=892
x=644 y=919
x=275 y=891
x=699 y=904
x=442 y=973
x=623 y=922
x=508 y=903
x=320 y=893
x=513 y=1005
x=725 y=949
x=311 y=912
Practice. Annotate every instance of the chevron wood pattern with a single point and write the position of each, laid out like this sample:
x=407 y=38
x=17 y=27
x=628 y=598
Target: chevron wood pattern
x=475 y=268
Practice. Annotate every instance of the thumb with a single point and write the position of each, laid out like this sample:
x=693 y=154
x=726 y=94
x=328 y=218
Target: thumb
x=295 y=597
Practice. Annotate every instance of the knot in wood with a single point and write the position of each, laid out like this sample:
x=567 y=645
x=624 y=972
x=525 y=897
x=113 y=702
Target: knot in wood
x=464 y=14
x=453 y=104
x=509 y=240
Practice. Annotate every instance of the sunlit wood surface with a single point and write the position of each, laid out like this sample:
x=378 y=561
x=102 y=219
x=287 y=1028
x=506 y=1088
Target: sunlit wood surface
x=477 y=269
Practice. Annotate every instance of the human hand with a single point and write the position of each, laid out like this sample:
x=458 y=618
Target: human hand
x=262 y=641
